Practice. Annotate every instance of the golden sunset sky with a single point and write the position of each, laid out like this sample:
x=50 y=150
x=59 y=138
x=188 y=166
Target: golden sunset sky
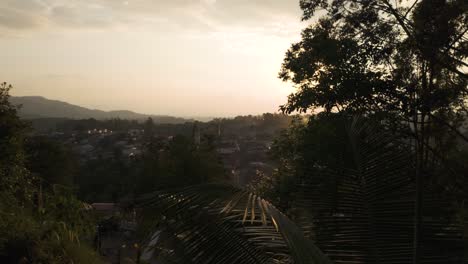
x=177 y=57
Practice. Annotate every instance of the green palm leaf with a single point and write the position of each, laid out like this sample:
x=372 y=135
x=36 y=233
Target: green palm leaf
x=363 y=211
x=222 y=224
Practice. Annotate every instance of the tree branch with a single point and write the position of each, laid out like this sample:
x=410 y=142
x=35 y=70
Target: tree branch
x=410 y=35
x=409 y=10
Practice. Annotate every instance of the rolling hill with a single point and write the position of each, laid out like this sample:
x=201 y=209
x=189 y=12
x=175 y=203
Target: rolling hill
x=37 y=107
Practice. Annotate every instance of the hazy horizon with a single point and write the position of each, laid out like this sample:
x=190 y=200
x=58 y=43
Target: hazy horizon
x=196 y=117
x=183 y=58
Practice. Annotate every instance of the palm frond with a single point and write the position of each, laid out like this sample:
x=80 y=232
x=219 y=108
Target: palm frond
x=364 y=213
x=221 y=224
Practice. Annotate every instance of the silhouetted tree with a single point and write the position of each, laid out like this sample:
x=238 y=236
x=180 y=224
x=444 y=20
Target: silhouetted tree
x=14 y=178
x=401 y=61
x=36 y=226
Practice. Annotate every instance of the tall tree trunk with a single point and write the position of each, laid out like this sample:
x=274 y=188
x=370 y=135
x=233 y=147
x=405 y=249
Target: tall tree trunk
x=418 y=200
x=422 y=141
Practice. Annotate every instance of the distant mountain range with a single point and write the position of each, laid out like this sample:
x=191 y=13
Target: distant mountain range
x=37 y=107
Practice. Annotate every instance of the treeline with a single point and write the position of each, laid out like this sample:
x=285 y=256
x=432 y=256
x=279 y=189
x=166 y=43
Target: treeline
x=241 y=125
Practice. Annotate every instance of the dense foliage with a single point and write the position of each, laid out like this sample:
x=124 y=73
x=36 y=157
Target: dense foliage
x=400 y=66
x=41 y=221
x=350 y=179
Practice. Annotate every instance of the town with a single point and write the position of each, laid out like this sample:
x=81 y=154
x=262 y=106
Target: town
x=241 y=144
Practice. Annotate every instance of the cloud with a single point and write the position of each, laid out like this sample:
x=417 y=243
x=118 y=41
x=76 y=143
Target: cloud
x=71 y=16
x=17 y=19
x=189 y=14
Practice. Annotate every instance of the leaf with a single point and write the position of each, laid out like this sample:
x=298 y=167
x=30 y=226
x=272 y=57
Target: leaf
x=208 y=225
x=363 y=210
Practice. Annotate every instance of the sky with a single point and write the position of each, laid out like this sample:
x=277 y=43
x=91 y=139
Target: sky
x=177 y=57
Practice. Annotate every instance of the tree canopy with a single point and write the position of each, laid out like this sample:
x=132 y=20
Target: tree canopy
x=379 y=56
